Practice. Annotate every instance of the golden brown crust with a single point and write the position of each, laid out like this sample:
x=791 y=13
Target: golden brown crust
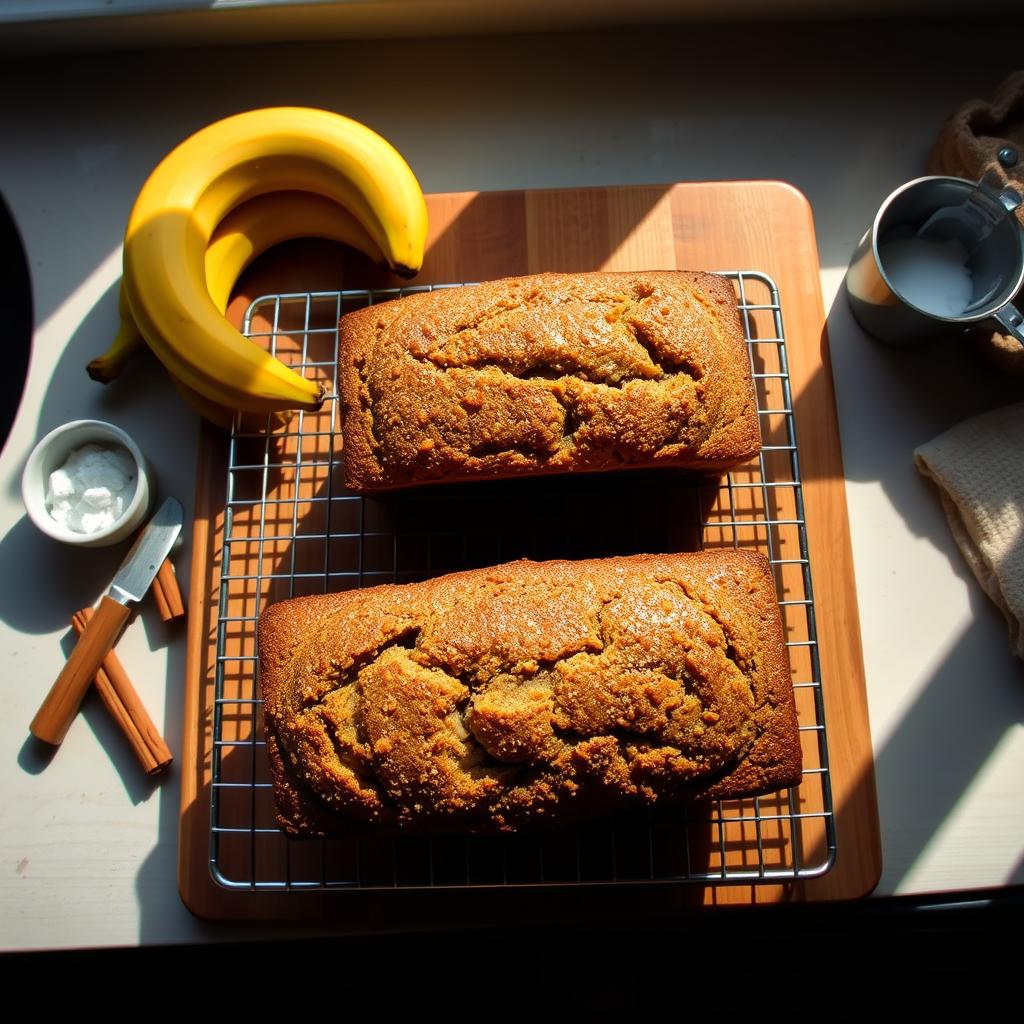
x=530 y=692
x=551 y=373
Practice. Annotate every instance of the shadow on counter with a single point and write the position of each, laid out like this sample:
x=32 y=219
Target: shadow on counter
x=141 y=400
x=959 y=716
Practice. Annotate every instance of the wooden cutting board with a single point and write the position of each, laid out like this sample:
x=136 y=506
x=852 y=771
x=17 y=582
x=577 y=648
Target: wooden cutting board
x=762 y=226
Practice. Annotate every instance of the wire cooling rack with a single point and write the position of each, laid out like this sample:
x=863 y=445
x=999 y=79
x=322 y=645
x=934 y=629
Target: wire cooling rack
x=290 y=528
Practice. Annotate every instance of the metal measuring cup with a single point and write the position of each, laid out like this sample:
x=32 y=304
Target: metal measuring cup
x=976 y=219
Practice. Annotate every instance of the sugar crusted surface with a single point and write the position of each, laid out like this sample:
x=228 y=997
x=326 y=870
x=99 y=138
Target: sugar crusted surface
x=527 y=694
x=545 y=374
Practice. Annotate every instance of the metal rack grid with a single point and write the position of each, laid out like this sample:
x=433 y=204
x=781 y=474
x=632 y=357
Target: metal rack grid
x=290 y=528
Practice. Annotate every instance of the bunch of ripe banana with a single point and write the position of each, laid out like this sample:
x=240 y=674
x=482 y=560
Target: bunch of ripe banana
x=220 y=199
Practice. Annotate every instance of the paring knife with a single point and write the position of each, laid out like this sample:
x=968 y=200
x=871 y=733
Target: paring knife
x=140 y=565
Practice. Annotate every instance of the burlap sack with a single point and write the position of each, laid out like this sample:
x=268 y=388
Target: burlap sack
x=967 y=146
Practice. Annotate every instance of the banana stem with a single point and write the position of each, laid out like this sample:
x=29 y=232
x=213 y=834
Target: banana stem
x=126 y=343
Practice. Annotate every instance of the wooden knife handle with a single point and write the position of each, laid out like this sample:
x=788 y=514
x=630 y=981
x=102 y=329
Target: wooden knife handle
x=58 y=711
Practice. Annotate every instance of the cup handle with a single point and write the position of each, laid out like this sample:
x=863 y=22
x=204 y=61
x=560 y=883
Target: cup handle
x=1011 y=321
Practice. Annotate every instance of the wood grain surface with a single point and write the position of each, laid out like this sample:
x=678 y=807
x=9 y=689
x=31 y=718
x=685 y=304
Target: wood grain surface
x=762 y=226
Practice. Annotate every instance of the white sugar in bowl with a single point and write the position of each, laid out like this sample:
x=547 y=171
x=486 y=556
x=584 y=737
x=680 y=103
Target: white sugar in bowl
x=87 y=483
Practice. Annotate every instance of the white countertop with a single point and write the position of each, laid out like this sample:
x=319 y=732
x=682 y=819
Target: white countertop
x=88 y=847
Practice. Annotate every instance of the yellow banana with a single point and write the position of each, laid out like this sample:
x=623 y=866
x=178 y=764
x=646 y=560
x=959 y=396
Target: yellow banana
x=246 y=233
x=126 y=343
x=199 y=183
x=261 y=223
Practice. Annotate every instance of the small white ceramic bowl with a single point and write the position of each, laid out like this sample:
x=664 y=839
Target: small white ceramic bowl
x=52 y=451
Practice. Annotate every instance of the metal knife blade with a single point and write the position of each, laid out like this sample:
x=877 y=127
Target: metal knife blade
x=151 y=547
x=140 y=565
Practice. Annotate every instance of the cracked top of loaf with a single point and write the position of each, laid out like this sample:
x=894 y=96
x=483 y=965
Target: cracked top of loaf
x=545 y=374
x=528 y=693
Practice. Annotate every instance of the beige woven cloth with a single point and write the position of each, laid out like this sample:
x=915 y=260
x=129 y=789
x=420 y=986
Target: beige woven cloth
x=978 y=466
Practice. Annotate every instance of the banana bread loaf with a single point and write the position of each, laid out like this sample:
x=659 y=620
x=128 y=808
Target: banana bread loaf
x=528 y=694
x=546 y=374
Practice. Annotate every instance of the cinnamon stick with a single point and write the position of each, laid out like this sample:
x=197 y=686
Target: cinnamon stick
x=123 y=703
x=167 y=593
